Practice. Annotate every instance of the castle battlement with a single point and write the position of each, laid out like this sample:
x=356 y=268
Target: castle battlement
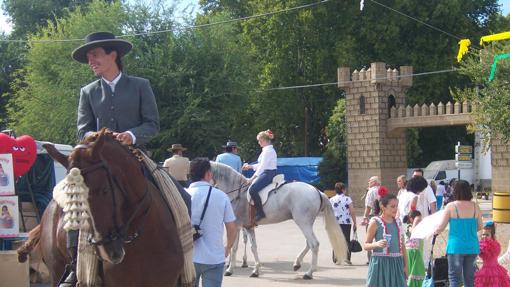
x=376 y=74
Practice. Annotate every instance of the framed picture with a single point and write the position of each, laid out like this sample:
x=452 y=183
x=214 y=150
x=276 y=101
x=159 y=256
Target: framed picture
x=6 y=174
x=9 y=217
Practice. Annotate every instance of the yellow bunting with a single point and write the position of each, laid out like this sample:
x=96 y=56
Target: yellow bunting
x=463 y=48
x=495 y=37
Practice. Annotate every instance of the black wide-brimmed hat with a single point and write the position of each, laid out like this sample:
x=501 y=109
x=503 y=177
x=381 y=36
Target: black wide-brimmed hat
x=101 y=39
x=230 y=144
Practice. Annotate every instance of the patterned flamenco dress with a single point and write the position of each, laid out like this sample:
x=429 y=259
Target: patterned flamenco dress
x=491 y=274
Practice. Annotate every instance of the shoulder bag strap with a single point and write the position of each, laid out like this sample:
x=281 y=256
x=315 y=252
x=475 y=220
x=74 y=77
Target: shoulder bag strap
x=205 y=205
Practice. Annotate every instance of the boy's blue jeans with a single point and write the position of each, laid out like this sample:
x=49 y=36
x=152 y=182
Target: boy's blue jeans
x=461 y=269
x=211 y=274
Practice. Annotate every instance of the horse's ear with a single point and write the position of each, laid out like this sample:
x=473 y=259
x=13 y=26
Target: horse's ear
x=56 y=155
x=98 y=145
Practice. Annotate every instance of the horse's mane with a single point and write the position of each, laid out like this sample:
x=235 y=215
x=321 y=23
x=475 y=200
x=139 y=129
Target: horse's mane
x=227 y=174
x=108 y=136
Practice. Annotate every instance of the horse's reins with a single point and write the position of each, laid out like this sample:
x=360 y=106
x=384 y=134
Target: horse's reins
x=234 y=190
x=120 y=232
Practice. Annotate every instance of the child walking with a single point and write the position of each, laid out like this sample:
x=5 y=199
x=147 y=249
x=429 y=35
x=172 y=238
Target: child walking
x=414 y=248
x=388 y=264
x=491 y=274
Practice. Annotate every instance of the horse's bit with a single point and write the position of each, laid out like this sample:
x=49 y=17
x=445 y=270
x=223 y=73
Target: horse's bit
x=120 y=232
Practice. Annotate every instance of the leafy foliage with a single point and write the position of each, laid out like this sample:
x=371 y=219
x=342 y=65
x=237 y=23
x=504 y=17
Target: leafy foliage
x=333 y=167
x=490 y=99
x=46 y=90
x=28 y=15
x=199 y=88
x=217 y=83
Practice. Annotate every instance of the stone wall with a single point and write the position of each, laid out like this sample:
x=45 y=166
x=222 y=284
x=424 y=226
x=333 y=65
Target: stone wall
x=370 y=149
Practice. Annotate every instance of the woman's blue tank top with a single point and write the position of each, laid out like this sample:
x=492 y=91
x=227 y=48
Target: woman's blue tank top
x=462 y=236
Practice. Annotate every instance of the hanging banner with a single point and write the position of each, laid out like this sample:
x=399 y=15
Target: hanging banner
x=9 y=218
x=6 y=174
x=495 y=64
x=463 y=48
x=495 y=37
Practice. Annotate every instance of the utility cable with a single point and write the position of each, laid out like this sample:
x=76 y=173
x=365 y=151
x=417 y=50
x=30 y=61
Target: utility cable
x=418 y=20
x=310 y=5
x=367 y=80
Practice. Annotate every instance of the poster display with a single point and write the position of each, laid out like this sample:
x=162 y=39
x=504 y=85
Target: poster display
x=6 y=174
x=9 y=217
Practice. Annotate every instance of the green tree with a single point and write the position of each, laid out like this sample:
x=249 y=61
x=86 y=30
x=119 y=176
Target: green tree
x=490 y=99
x=199 y=77
x=333 y=167
x=306 y=46
x=45 y=93
x=28 y=16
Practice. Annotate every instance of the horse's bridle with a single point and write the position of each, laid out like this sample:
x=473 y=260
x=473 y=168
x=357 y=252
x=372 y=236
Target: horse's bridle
x=241 y=186
x=120 y=232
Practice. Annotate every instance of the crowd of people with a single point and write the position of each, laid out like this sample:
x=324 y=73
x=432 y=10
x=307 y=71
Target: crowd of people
x=395 y=258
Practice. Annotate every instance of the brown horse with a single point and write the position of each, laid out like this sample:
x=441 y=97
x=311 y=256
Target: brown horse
x=134 y=231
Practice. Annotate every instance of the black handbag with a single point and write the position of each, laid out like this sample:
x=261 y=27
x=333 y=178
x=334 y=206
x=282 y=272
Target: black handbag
x=354 y=245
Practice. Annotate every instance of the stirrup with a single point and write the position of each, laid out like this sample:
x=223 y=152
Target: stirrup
x=69 y=278
x=260 y=216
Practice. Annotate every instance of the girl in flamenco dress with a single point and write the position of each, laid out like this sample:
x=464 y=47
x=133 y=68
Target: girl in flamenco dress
x=491 y=273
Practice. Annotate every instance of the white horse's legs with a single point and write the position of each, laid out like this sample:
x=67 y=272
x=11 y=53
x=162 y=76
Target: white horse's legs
x=311 y=243
x=253 y=242
x=245 y=241
x=299 y=258
x=232 y=259
x=247 y=233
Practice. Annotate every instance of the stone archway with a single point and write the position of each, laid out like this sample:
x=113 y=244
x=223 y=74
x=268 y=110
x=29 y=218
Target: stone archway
x=376 y=143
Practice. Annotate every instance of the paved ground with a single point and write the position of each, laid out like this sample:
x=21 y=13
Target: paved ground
x=280 y=243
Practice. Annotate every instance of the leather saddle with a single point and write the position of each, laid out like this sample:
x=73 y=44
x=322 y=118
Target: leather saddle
x=278 y=181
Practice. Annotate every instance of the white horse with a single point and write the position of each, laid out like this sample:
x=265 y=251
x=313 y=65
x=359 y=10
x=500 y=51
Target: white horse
x=296 y=200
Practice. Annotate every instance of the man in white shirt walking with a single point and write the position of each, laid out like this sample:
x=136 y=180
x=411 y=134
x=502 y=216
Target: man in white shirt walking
x=426 y=204
x=209 y=252
x=427 y=199
x=370 y=200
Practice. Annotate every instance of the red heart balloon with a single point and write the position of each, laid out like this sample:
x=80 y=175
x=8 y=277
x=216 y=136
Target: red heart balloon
x=23 y=150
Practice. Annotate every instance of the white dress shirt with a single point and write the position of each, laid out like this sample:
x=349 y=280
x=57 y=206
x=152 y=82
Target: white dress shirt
x=266 y=160
x=113 y=83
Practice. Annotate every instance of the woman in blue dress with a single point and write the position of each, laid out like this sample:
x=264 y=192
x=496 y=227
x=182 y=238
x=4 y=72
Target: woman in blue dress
x=388 y=263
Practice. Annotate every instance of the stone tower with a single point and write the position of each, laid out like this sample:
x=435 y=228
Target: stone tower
x=371 y=150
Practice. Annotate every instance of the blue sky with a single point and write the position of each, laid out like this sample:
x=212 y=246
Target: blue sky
x=182 y=5
x=6 y=27
x=505 y=6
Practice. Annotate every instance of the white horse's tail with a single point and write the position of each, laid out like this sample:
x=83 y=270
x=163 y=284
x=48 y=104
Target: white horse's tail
x=336 y=237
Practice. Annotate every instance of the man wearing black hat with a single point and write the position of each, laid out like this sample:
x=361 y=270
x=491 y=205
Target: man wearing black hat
x=124 y=104
x=230 y=157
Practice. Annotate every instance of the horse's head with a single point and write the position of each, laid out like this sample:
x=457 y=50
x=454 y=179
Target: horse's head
x=229 y=180
x=117 y=191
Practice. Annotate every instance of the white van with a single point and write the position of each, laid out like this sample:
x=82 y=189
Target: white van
x=60 y=171
x=444 y=170
x=35 y=188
